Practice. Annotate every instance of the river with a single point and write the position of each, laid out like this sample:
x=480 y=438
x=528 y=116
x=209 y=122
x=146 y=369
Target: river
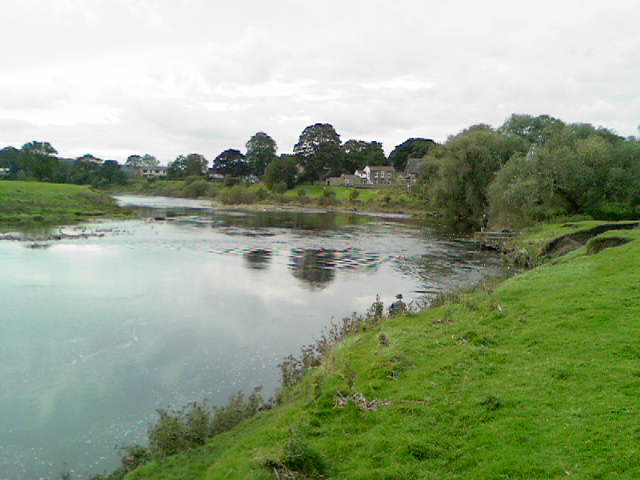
x=185 y=303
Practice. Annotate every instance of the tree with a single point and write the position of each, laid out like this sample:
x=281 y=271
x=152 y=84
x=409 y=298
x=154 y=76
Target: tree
x=319 y=150
x=38 y=161
x=11 y=158
x=536 y=130
x=358 y=154
x=261 y=151
x=459 y=188
x=111 y=172
x=190 y=165
x=411 y=148
x=282 y=170
x=578 y=170
x=231 y=162
x=40 y=148
x=145 y=161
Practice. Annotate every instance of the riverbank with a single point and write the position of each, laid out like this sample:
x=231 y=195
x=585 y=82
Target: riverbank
x=34 y=204
x=332 y=198
x=534 y=378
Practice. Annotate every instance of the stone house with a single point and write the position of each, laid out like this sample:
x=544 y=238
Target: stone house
x=378 y=174
x=346 y=180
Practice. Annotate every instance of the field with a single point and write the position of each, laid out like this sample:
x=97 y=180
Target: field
x=36 y=203
x=535 y=378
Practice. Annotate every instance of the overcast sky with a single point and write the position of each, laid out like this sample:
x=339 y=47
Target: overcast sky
x=117 y=77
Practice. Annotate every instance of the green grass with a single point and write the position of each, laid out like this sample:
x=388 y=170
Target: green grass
x=27 y=203
x=537 y=379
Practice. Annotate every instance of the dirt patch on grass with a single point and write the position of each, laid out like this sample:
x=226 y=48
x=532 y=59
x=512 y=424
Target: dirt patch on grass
x=572 y=241
x=596 y=245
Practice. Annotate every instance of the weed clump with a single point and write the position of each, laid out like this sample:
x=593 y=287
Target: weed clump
x=180 y=430
x=300 y=457
x=492 y=403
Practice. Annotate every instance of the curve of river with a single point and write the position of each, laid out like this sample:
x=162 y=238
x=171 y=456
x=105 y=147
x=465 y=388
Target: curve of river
x=186 y=303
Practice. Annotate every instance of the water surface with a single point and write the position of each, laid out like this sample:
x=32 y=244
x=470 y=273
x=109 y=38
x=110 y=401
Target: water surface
x=186 y=303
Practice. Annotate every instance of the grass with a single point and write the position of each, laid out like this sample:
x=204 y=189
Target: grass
x=538 y=378
x=37 y=203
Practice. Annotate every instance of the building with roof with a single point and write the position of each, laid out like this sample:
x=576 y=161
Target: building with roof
x=378 y=174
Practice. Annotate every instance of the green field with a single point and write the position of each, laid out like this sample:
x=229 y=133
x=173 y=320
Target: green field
x=36 y=203
x=538 y=378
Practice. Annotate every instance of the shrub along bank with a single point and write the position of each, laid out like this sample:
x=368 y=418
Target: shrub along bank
x=535 y=378
x=387 y=199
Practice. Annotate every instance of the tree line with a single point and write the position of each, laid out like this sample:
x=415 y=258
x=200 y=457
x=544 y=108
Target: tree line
x=531 y=168
x=318 y=154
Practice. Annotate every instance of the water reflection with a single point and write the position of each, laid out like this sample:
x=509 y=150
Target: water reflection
x=258 y=258
x=316 y=268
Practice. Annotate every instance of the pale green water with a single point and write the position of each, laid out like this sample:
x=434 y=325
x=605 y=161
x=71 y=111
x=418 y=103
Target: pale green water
x=99 y=332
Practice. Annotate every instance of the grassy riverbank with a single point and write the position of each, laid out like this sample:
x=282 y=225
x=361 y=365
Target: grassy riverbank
x=536 y=378
x=36 y=203
x=328 y=197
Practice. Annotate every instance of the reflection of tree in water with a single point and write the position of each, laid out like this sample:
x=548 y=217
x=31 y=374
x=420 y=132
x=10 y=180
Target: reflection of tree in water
x=258 y=258
x=315 y=267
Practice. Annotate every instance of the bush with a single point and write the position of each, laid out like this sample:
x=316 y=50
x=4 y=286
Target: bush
x=261 y=194
x=300 y=457
x=237 y=195
x=196 y=188
x=280 y=187
x=328 y=198
x=180 y=430
x=353 y=195
x=231 y=181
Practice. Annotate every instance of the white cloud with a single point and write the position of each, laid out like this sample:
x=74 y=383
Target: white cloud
x=176 y=76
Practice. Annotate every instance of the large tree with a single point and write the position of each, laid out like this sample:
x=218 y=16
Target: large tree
x=358 y=154
x=142 y=161
x=231 y=162
x=261 y=151
x=458 y=189
x=282 y=170
x=319 y=150
x=536 y=130
x=41 y=148
x=597 y=174
x=38 y=161
x=411 y=148
x=190 y=165
x=10 y=157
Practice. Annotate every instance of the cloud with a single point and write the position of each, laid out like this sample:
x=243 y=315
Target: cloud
x=170 y=77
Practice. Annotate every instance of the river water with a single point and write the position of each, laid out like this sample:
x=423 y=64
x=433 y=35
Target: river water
x=185 y=303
